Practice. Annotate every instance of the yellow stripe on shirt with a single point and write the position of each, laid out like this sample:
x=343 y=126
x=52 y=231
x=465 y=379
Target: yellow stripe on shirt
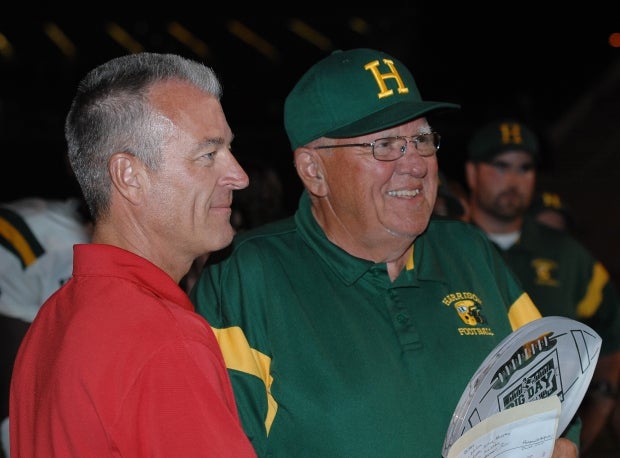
x=17 y=241
x=238 y=355
x=522 y=311
x=594 y=293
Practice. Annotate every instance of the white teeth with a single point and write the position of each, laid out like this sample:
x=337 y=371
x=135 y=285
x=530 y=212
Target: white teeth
x=413 y=193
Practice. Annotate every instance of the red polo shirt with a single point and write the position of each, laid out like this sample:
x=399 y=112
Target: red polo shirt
x=117 y=363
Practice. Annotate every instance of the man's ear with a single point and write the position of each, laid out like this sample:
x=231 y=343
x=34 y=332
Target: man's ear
x=128 y=176
x=310 y=169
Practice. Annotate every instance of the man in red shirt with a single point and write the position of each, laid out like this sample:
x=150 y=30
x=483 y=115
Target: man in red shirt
x=117 y=362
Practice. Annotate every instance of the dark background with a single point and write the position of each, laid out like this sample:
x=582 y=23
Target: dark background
x=555 y=70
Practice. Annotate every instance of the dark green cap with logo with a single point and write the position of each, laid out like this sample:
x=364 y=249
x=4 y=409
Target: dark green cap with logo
x=549 y=200
x=353 y=93
x=500 y=136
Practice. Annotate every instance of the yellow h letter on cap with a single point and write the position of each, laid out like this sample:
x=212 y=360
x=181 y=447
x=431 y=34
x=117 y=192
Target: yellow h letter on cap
x=551 y=199
x=380 y=77
x=511 y=133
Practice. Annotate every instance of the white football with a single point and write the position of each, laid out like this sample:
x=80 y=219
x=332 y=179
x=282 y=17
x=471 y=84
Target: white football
x=551 y=355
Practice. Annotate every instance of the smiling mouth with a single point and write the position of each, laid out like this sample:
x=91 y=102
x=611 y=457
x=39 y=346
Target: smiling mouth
x=412 y=193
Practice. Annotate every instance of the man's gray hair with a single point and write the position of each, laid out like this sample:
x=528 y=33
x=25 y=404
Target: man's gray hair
x=111 y=113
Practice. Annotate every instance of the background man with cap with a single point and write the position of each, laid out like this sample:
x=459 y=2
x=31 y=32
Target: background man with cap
x=550 y=209
x=353 y=327
x=561 y=276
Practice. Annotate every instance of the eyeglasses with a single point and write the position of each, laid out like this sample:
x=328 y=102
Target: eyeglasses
x=392 y=148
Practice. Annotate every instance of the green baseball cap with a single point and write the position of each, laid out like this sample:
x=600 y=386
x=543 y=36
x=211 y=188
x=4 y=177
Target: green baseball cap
x=353 y=93
x=499 y=136
x=549 y=200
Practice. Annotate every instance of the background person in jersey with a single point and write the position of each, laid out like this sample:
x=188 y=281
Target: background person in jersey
x=549 y=208
x=603 y=431
x=561 y=276
x=117 y=362
x=37 y=235
x=353 y=327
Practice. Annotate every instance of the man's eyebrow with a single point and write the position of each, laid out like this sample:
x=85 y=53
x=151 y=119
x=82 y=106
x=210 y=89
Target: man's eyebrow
x=211 y=141
x=217 y=140
x=425 y=130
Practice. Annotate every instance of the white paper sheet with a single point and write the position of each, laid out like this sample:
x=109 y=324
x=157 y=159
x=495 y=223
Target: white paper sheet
x=526 y=431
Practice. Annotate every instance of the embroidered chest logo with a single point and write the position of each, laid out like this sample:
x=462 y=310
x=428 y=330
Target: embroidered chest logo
x=469 y=312
x=468 y=307
x=545 y=270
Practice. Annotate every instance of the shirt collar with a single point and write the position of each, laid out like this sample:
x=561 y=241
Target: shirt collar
x=110 y=261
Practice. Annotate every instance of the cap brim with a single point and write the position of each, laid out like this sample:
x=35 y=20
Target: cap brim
x=393 y=115
x=488 y=156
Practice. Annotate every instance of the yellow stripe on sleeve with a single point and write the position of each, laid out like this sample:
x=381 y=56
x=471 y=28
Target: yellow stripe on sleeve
x=239 y=356
x=594 y=294
x=522 y=311
x=17 y=240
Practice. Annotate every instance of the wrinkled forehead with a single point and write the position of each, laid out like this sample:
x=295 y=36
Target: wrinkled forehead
x=408 y=129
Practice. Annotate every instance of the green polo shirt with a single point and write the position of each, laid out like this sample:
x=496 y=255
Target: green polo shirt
x=564 y=279
x=329 y=358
